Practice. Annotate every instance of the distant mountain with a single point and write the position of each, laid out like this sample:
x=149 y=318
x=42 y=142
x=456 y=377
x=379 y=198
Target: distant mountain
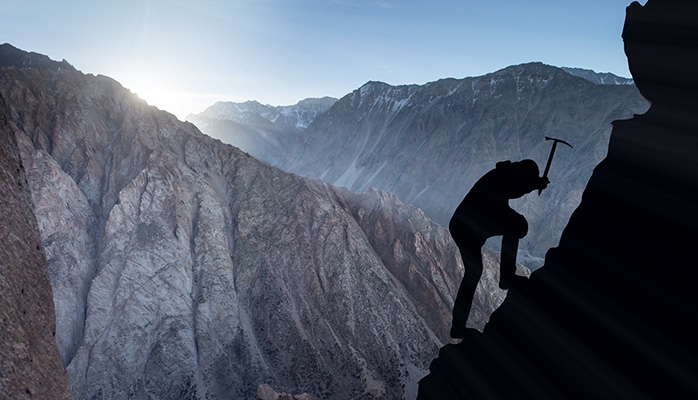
x=261 y=130
x=295 y=117
x=429 y=143
x=182 y=267
x=603 y=78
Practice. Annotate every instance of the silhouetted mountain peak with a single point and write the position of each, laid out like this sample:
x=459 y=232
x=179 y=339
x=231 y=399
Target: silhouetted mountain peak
x=11 y=56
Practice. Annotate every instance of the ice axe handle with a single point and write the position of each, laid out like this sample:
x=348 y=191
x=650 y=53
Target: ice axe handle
x=550 y=157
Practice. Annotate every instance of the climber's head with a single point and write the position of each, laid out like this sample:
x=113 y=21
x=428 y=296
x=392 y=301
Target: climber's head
x=528 y=168
x=523 y=177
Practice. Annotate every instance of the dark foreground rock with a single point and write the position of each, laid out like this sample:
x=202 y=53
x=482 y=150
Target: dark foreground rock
x=612 y=314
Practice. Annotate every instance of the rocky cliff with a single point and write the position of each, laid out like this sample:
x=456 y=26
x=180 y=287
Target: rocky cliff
x=612 y=314
x=184 y=268
x=30 y=366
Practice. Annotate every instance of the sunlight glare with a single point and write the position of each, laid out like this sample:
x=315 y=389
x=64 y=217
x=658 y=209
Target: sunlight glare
x=155 y=90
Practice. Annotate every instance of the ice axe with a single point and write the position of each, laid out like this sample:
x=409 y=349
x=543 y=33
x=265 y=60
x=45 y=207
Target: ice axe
x=550 y=157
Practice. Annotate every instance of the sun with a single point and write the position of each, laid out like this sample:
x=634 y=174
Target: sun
x=153 y=90
x=157 y=90
x=173 y=91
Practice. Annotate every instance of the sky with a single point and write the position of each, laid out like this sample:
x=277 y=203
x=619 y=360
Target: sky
x=183 y=56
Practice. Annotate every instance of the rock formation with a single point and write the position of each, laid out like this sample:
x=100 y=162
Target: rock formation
x=30 y=366
x=182 y=267
x=612 y=314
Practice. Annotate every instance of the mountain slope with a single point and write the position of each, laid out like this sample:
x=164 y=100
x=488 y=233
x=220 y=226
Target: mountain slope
x=184 y=268
x=428 y=144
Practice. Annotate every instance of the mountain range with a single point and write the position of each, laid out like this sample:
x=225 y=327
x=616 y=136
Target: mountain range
x=428 y=144
x=181 y=267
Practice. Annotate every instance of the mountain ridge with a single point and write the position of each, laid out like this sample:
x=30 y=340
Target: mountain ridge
x=12 y=56
x=599 y=78
x=429 y=143
x=265 y=141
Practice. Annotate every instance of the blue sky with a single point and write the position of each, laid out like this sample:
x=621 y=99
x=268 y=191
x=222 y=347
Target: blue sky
x=183 y=56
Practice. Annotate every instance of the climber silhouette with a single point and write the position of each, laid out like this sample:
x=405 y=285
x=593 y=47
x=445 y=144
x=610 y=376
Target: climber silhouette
x=483 y=213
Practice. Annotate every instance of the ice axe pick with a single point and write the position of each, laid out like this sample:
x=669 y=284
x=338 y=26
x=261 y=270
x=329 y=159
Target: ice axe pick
x=550 y=157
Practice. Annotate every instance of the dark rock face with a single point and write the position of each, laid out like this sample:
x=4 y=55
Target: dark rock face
x=612 y=314
x=30 y=366
x=184 y=268
x=429 y=144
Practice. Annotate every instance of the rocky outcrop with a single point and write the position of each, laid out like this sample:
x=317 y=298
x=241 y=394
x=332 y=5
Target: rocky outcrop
x=184 y=268
x=612 y=313
x=30 y=366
